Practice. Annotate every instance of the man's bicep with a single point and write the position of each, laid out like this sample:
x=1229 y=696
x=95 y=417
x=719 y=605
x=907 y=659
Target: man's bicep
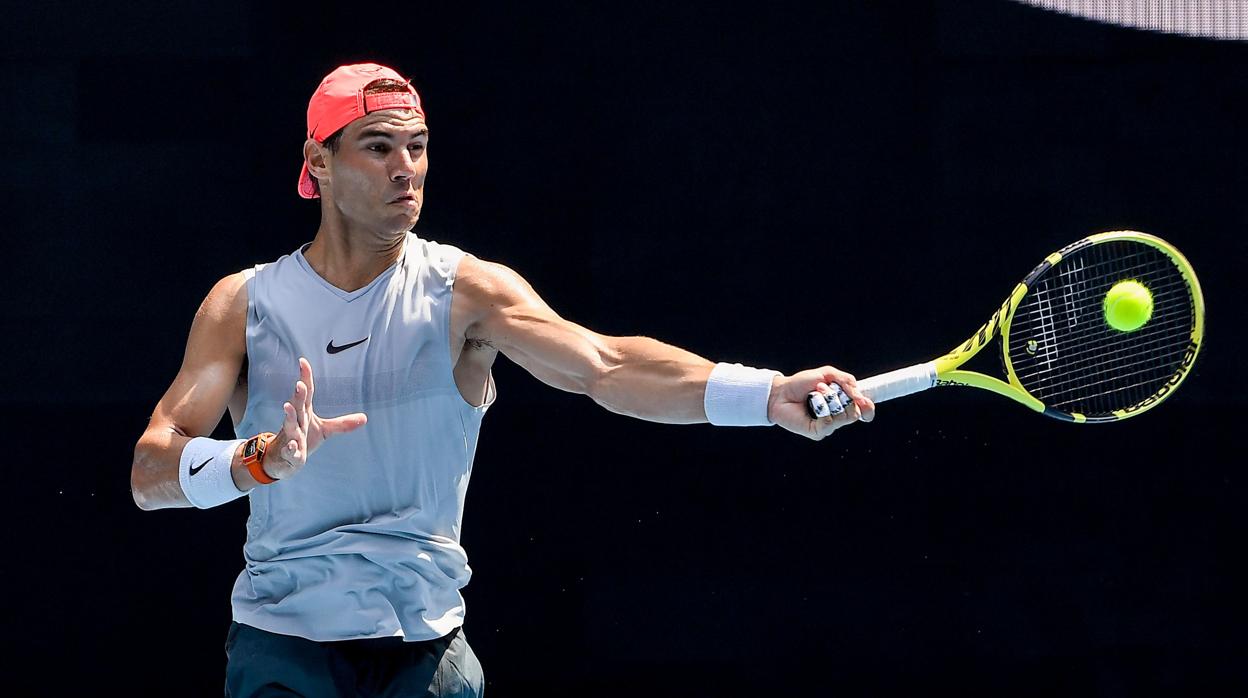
x=215 y=349
x=514 y=319
x=556 y=351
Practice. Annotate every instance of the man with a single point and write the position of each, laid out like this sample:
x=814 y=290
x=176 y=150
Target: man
x=353 y=563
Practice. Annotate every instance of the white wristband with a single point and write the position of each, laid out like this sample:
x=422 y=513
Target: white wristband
x=736 y=396
x=204 y=472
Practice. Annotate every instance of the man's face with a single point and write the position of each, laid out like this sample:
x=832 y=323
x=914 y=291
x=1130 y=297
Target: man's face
x=377 y=177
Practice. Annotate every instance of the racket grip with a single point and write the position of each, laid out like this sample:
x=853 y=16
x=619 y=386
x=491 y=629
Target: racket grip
x=886 y=386
x=899 y=383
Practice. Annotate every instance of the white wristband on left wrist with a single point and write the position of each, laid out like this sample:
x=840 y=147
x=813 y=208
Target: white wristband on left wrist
x=204 y=472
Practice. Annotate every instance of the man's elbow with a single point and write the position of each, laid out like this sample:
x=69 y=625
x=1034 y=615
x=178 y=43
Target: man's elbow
x=137 y=468
x=139 y=499
x=596 y=382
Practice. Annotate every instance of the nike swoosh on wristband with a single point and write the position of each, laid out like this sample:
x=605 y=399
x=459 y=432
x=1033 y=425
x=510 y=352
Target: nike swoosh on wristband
x=197 y=468
x=334 y=350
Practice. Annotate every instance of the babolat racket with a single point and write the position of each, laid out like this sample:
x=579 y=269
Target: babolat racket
x=1102 y=330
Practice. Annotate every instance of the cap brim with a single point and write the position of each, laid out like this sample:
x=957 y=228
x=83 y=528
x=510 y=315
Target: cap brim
x=307 y=188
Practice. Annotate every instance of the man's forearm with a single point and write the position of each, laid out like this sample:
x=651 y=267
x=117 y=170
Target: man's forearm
x=154 y=473
x=650 y=380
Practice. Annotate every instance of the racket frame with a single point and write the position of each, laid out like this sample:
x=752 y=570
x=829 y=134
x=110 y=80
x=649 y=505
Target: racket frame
x=946 y=369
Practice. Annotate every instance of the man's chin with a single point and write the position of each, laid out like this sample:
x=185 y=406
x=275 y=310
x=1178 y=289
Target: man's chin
x=404 y=225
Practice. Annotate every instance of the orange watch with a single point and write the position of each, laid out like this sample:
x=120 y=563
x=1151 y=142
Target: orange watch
x=253 y=457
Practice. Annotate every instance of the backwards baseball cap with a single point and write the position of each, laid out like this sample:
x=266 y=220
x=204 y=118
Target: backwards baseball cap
x=340 y=99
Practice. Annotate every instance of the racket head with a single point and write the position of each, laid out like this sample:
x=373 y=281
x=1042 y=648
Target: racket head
x=1058 y=349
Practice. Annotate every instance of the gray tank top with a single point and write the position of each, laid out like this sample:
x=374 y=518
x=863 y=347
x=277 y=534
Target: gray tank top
x=364 y=541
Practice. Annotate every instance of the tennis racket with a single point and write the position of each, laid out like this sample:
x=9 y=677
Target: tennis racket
x=1059 y=354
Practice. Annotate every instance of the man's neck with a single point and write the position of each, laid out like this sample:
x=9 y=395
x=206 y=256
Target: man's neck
x=351 y=262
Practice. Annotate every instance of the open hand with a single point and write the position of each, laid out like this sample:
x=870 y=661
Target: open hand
x=302 y=430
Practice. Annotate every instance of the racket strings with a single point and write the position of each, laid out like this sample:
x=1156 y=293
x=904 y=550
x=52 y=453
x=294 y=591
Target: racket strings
x=1097 y=336
x=1064 y=352
x=1144 y=386
x=1143 y=369
x=1101 y=343
x=1099 y=362
x=1043 y=311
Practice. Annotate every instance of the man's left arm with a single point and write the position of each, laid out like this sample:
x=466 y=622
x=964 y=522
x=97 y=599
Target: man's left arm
x=635 y=376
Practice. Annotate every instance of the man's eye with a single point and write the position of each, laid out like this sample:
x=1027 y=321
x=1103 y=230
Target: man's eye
x=417 y=147
x=377 y=148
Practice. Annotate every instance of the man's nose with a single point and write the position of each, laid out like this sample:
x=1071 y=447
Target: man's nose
x=405 y=167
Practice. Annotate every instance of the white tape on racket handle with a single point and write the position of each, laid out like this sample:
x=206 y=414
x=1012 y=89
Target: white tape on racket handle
x=899 y=383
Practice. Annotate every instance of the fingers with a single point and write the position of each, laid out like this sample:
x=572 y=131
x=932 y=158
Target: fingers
x=295 y=438
x=343 y=424
x=852 y=413
x=305 y=373
x=301 y=400
x=301 y=392
x=848 y=383
x=296 y=423
x=868 y=410
x=852 y=410
x=842 y=406
x=824 y=401
x=864 y=406
x=304 y=386
x=298 y=414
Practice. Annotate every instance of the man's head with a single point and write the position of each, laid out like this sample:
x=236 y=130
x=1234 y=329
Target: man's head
x=366 y=146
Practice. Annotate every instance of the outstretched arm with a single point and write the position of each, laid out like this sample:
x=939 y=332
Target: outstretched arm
x=635 y=376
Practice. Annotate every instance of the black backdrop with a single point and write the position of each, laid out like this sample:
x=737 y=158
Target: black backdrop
x=684 y=173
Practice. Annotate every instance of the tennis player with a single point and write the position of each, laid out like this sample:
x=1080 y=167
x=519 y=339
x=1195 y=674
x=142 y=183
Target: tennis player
x=357 y=371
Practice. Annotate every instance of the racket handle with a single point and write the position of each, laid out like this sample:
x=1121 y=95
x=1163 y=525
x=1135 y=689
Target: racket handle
x=886 y=386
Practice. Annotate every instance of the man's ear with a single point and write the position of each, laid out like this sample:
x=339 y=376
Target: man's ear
x=315 y=155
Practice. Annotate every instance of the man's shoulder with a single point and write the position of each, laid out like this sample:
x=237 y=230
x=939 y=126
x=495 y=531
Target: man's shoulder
x=226 y=302
x=484 y=276
x=491 y=288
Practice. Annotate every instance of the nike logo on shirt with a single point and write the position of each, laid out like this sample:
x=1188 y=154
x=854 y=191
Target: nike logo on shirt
x=334 y=350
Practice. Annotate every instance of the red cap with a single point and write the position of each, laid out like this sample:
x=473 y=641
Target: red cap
x=340 y=99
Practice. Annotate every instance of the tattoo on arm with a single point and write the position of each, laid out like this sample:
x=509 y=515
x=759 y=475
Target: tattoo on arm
x=477 y=343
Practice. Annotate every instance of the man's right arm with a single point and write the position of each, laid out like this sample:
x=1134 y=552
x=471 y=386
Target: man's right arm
x=196 y=401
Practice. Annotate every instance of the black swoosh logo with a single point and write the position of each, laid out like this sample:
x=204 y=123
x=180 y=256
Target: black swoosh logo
x=334 y=350
x=197 y=468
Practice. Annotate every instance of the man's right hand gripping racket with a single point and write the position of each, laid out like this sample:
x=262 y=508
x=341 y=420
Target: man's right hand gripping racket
x=1067 y=349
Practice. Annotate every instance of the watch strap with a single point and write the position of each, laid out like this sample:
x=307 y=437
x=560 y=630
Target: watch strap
x=253 y=456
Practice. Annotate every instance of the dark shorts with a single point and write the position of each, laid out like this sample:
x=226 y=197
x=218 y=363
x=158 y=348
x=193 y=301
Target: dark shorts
x=260 y=663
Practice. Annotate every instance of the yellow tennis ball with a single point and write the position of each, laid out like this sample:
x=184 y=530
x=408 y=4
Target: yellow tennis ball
x=1128 y=306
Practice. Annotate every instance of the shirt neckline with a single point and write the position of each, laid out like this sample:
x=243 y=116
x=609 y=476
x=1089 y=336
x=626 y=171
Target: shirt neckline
x=349 y=296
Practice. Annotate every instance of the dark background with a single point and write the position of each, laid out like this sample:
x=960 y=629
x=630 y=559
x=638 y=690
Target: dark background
x=687 y=173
